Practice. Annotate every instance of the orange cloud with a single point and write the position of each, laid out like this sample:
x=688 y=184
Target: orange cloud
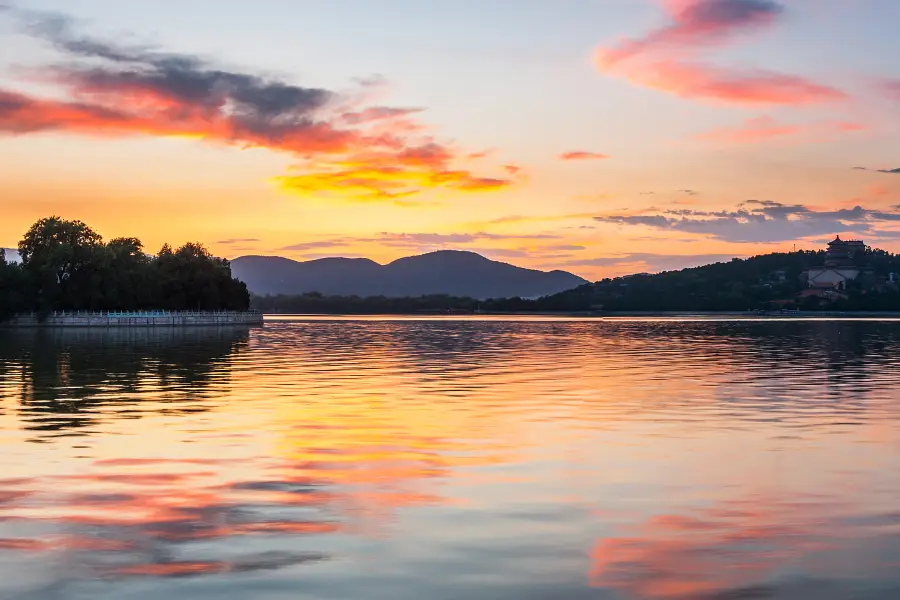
x=582 y=155
x=762 y=129
x=21 y=114
x=375 y=152
x=386 y=175
x=379 y=183
x=666 y=59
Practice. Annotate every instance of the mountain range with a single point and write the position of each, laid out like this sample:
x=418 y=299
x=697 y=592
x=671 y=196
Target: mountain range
x=451 y=272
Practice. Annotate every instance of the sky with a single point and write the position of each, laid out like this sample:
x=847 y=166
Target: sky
x=602 y=137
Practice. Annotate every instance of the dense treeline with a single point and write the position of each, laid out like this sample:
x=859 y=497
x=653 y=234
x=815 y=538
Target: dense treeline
x=763 y=282
x=65 y=265
x=770 y=281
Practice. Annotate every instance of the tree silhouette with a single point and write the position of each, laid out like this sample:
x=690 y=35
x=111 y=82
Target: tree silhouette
x=66 y=266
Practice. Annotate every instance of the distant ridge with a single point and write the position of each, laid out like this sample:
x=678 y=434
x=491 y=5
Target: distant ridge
x=451 y=272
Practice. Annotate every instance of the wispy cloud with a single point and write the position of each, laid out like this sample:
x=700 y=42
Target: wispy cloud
x=526 y=245
x=233 y=241
x=651 y=262
x=455 y=238
x=582 y=155
x=509 y=219
x=670 y=59
x=761 y=221
x=356 y=152
x=377 y=113
x=415 y=240
x=317 y=245
x=891 y=87
x=764 y=129
x=888 y=171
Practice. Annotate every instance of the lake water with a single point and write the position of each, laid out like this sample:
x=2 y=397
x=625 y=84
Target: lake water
x=404 y=459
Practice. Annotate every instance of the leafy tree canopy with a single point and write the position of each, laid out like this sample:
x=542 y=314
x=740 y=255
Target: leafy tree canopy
x=67 y=266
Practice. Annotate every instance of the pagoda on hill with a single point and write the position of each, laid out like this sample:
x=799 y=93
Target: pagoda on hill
x=845 y=261
x=842 y=254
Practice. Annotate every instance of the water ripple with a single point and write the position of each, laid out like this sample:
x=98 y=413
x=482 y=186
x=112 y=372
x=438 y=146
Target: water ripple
x=446 y=458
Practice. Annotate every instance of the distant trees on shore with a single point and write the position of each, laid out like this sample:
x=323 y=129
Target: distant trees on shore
x=65 y=265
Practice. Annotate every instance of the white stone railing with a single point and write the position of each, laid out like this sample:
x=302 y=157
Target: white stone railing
x=138 y=318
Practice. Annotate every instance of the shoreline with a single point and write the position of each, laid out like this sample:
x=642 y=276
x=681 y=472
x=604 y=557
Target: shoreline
x=142 y=319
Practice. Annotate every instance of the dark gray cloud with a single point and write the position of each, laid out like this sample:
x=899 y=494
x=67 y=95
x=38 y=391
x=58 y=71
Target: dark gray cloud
x=187 y=86
x=727 y=13
x=762 y=222
x=260 y=104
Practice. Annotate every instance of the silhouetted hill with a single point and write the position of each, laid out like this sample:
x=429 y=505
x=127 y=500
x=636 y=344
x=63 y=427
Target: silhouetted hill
x=449 y=272
x=764 y=281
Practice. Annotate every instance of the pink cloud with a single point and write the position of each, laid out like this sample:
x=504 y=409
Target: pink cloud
x=667 y=59
x=763 y=129
x=703 y=81
x=582 y=155
x=700 y=23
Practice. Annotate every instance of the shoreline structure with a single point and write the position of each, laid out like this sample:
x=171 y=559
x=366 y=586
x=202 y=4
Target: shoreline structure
x=138 y=318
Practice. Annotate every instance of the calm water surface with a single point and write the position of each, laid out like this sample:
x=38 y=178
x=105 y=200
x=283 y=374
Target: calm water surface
x=441 y=459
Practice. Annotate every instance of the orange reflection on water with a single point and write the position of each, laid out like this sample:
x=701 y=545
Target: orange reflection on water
x=482 y=445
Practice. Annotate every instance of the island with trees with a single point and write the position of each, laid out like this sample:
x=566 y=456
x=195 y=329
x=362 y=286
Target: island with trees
x=66 y=267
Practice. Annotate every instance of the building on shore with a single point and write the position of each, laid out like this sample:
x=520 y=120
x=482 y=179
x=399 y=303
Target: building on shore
x=845 y=261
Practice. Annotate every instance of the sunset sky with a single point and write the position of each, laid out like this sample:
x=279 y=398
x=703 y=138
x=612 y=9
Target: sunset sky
x=601 y=137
